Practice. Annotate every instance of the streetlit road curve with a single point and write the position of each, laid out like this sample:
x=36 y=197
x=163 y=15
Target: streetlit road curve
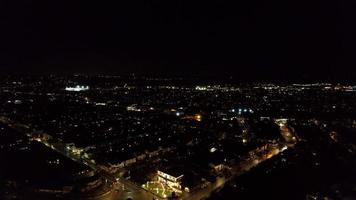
x=121 y=188
x=125 y=189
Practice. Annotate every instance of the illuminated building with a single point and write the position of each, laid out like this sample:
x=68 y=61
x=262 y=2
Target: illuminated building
x=77 y=88
x=198 y=117
x=133 y=108
x=172 y=181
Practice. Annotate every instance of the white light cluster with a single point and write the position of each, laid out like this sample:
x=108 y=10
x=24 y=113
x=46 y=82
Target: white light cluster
x=77 y=88
x=240 y=110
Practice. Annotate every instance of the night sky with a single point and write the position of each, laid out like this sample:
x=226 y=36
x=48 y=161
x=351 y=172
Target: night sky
x=249 y=39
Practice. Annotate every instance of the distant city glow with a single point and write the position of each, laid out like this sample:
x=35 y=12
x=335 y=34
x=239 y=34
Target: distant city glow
x=122 y=133
x=77 y=88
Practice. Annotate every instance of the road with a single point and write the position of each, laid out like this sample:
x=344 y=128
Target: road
x=236 y=170
x=249 y=163
x=126 y=188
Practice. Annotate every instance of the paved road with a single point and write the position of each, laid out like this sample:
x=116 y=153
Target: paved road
x=236 y=170
x=126 y=190
x=243 y=167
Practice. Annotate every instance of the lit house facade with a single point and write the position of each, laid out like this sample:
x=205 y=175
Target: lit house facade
x=174 y=182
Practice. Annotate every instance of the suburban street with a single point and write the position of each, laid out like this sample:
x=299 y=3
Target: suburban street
x=125 y=189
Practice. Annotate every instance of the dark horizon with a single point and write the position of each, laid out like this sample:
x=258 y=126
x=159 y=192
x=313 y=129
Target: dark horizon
x=255 y=40
x=202 y=78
